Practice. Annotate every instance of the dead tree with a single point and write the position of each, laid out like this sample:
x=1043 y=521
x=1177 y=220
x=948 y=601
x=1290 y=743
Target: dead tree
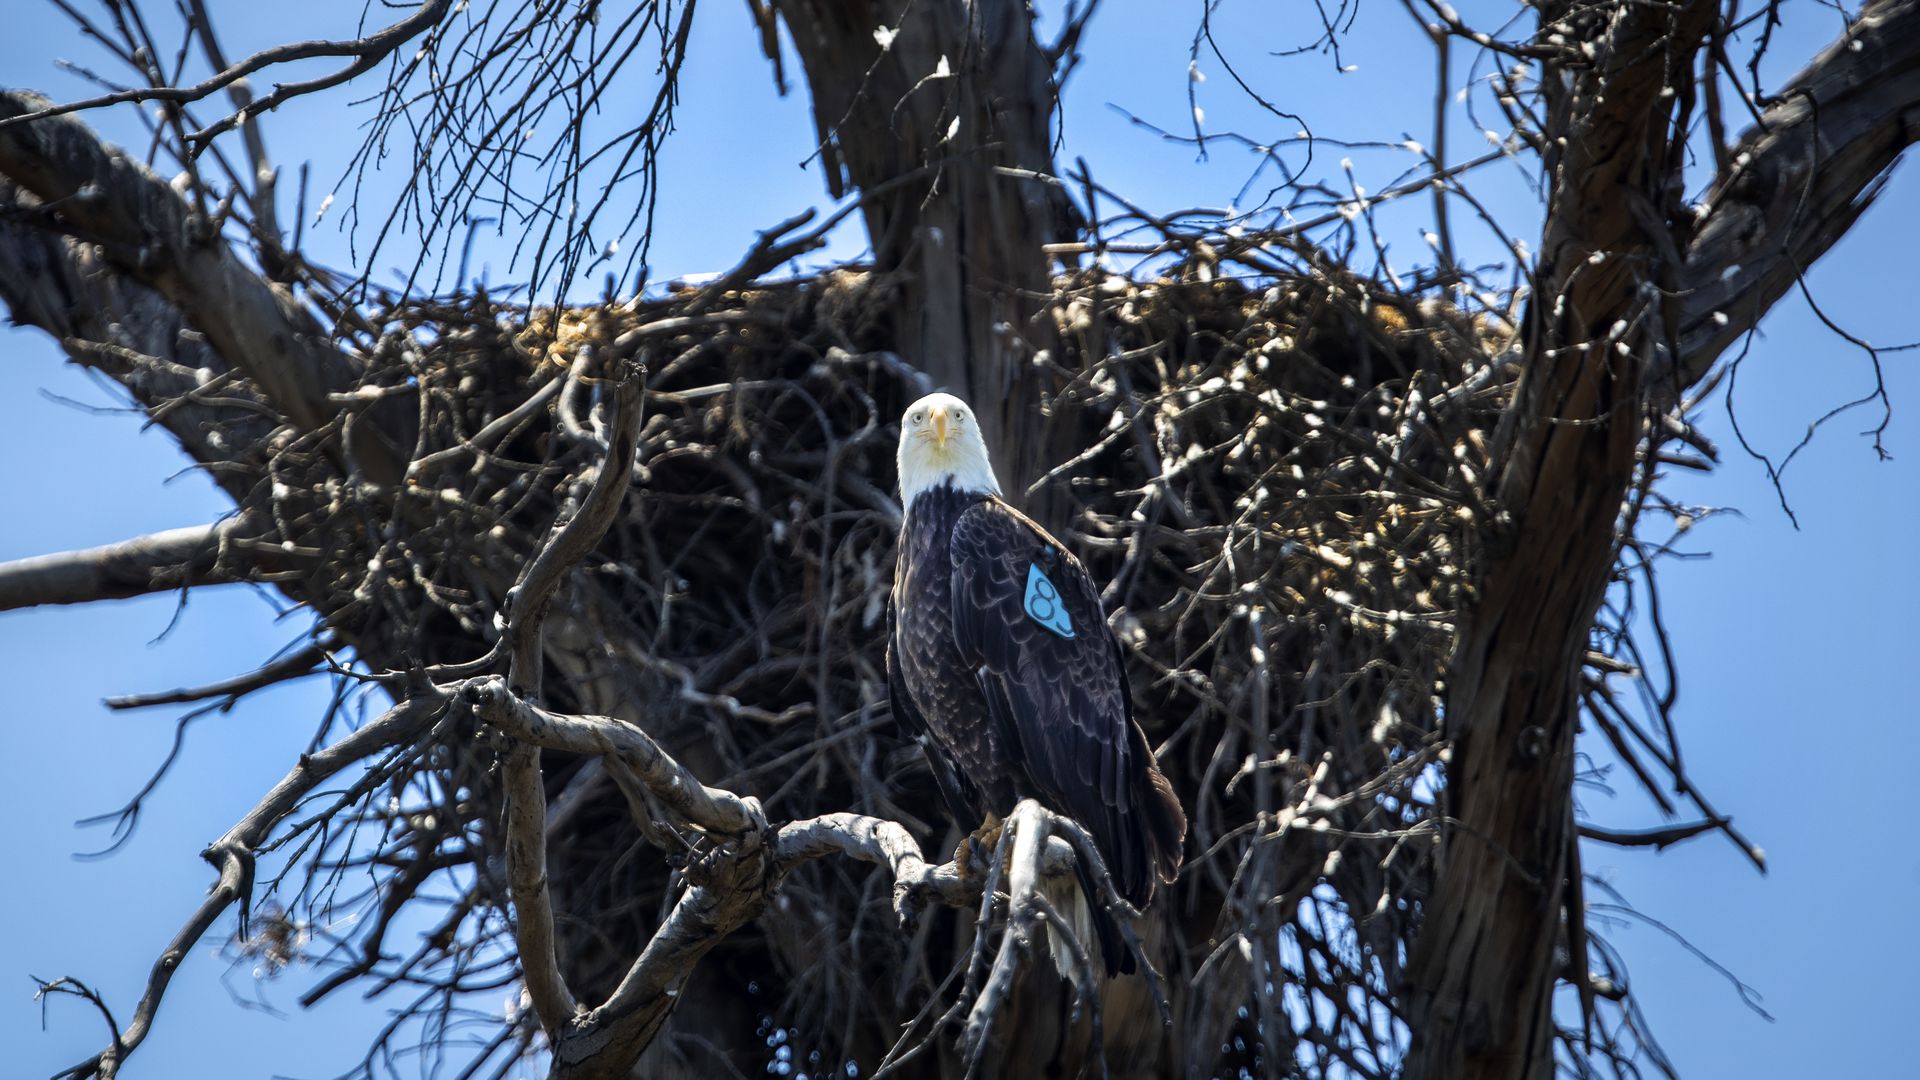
x=1359 y=533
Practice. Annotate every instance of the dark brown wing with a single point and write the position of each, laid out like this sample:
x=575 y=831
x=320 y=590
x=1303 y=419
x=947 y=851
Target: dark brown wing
x=1028 y=616
x=961 y=796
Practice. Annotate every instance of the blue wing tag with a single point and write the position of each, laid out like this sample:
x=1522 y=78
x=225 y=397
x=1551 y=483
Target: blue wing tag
x=1044 y=605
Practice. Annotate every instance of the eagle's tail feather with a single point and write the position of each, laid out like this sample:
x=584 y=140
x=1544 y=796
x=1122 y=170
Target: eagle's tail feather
x=1094 y=930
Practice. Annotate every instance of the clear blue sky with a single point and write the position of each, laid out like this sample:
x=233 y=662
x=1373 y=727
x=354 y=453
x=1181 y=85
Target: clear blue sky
x=1791 y=642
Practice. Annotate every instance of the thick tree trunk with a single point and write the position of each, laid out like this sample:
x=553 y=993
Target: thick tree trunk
x=945 y=133
x=1487 y=960
x=1484 y=966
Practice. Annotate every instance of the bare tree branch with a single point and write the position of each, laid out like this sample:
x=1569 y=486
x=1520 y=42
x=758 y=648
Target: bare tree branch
x=157 y=562
x=142 y=224
x=233 y=856
x=573 y=536
x=1798 y=181
x=305 y=661
x=366 y=52
x=1655 y=838
x=260 y=196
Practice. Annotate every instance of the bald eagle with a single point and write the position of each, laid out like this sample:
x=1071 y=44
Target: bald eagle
x=1000 y=662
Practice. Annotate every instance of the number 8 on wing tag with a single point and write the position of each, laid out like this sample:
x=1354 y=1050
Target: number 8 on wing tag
x=1044 y=605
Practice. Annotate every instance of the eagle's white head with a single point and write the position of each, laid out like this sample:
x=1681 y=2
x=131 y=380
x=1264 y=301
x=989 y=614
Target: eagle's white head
x=940 y=442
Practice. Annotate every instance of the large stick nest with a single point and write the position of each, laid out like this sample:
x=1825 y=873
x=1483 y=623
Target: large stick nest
x=1279 y=487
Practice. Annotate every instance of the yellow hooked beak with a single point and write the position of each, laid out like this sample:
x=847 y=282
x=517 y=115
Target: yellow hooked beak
x=940 y=424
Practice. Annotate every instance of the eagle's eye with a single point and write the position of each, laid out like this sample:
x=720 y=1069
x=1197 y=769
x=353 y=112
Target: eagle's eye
x=917 y=418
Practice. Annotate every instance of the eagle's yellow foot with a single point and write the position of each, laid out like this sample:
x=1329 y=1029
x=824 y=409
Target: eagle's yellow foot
x=976 y=848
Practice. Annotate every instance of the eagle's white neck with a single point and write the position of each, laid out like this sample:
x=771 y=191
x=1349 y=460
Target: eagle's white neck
x=940 y=443
x=974 y=477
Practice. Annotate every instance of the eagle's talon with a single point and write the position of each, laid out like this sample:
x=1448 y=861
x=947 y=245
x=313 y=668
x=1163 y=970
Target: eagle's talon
x=976 y=848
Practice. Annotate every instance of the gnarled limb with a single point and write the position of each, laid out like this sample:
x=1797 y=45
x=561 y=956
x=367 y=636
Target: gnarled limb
x=887 y=843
